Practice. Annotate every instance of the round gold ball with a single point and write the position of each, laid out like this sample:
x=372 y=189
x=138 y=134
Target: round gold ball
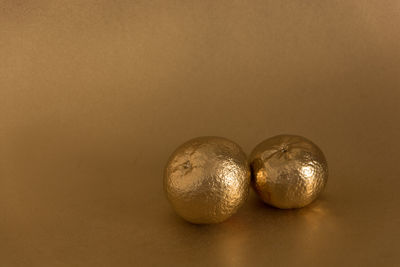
x=207 y=179
x=288 y=171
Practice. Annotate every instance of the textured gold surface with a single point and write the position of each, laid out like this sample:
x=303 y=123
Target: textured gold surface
x=207 y=179
x=288 y=171
x=96 y=94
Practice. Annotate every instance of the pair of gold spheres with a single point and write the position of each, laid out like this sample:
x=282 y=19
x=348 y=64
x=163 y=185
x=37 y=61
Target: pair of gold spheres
x=207 y=179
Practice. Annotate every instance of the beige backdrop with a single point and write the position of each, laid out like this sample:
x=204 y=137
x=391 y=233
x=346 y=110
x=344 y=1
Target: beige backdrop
x=95 y=95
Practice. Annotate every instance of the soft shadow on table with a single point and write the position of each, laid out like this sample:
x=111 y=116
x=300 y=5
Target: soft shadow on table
x=234 y=240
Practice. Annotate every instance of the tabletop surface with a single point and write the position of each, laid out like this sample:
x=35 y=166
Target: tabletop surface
x=95 y=95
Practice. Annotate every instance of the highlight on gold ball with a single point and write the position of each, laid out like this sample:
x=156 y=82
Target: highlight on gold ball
x=288 y=171
x=207 y=179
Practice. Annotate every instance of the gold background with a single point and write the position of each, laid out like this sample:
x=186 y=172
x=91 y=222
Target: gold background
x=95 y=95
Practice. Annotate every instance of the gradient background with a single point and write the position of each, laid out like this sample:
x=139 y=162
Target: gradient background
x=95 y=95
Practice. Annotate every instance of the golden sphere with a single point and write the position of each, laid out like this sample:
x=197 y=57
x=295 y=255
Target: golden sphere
x=207 y=179
x=288 y=171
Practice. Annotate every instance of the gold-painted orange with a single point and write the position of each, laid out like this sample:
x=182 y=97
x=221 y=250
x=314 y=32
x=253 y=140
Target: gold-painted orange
x=288 y=171
x=207 y=179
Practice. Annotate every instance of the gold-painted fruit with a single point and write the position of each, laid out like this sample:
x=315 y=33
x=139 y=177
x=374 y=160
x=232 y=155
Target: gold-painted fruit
x=288 y=171
x=207 y=179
